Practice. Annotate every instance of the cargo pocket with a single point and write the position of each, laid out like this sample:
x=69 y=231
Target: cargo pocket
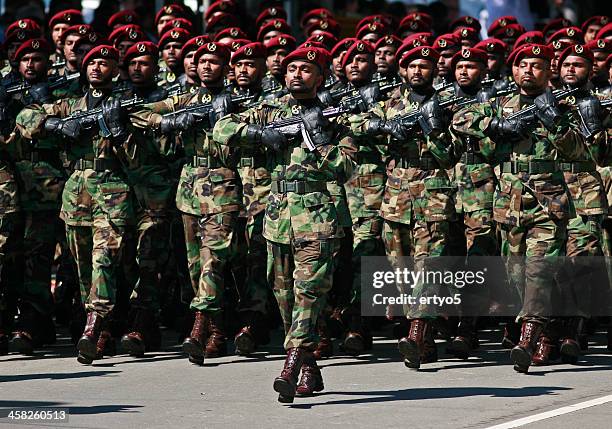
x=437 y=199
x=553 y=197
x=320 y=217
x=506 y=203
x=481 y=195
x=116 y=202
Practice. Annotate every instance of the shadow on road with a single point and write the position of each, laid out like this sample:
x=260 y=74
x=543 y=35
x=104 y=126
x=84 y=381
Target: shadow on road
x=54 y=376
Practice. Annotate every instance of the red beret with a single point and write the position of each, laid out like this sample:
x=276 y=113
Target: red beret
x=179 y=35
x=555 y=25
x=342 y=46
x=376 y=28
x=223 y=6
x=578 y=51
x=222 y=20
x=572 y=33
x=313 y=44
x=600 y=20
x=330 y=25
x=81 y=30
x=23 y=24
x=270 y=13
x=422 y=52
x=321 y=13
x=529 y=37
x=123 y=17
x=492 y=46
x=249 y=51
x=512 y=55
x=416 y=22
x=468 y=33
x=20 y=36
x=609 y=61
x=389 y=40
x=193 y=44
x=284 y=41
x=465 y=21
x=233 y=32
x=125 y=33
x=447 y=41
x=213 y=48
x=600 y=45
x=91 y=39
x=414 y=41
x=359 y=47
x=175 y=10
x=313 y=55
x=559 y=45
x=604 y=32
x=68 y=16
x=100 y=51
x=328 y=39
x=178 y=23
x=276 y=25
x=140 y=49
x=425 y=37
x=238 y=43
x=512 y=31
x=370 y=19
x=499 y=24
x=470 y=54
x=33 y=45
x=533 y=51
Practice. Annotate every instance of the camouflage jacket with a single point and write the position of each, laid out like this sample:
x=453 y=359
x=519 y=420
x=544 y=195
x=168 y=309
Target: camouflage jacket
x=88 y=193
x=292 y=216
x=412 y=192
x=546 y=184
x=209 y=182
x=605 y=168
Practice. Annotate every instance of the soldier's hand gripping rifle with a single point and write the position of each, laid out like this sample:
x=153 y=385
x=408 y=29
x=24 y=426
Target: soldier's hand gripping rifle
x=357 y=99
x=52 y=84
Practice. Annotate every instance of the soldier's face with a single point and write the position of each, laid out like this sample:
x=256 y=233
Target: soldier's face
x=385 y=59
x=274 y=60
x=444 y=63
x=599 y=66
x=360 y=69
x=533 y=74
x=142 y=70
x=337 y=65
x=191 y=68
x=494 y=64
x=575 y=71
x=33 y=66
x=248 y=72
x=171 y=53
x=211 y=69
x=122 y=47
x=468 y=73
x=69 y=53
x=100 y=72
x=56 y=34
x=371 y=38
x=12 y=48
x=163 y=21
x=80 y=51
x=303 y=79
x=554 y=65
x=591 y=32
x=420 y=73
x=270 y=35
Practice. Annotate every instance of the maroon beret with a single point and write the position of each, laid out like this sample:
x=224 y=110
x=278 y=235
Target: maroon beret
x=312 y=55
x=358 y=47
x=284 y=41
x=499 y=24
x=100 y=51
x=213 y=48
x=578 y=51
x=68 y=16
x=275 y=25
x=249 y=51
x=270 y=13
x=123 y=17
x=492 y=46
x=470 y=54
x=320 y=13
x=175 y=10
x=33 y=45
x=193 y=44
x=233 y=32
x=140 y=49
x=179 y=35
x=422 y=52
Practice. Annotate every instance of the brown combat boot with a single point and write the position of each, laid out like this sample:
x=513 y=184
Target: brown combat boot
x=546 y=351
x=311 y=380
x=570 y=347
x=216 y=346
x=286 y=383
x=194 y=344
x=325 y=346
x=522 y=353
x=412 y=346
x=254 y=333
x=106 y=344
x=466 y=340
x=429 y=354
x=145 y=334
x=89 y=340
x=24 y=337
x=358 y=339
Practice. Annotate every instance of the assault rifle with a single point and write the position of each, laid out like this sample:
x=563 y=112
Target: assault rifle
x=55 y=83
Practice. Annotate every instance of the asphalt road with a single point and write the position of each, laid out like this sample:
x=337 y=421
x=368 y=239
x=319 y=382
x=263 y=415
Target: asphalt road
x=162 y=390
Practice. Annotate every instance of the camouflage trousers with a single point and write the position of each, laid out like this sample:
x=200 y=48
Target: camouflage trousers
x=301 y=274
x=532 y=259
x=39 y=244
x=97 y=250
x=212 y=243
x=423 y=242
x=152 y=253
x=367 y=241
x=11 y=266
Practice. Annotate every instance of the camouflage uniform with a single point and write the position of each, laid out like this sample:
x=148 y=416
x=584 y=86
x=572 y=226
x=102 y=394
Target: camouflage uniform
x=96 y=203
x=301 y=223
x=209 y=197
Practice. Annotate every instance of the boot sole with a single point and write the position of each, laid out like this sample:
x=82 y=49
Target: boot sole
x=193 y=349
x=284 y=389
x=354 y=346
x=244 y=345
x=84 y=359
x=521 y=360
x=306 y=394
x=569 y=353
x=87 y=349
x=22 y=346
x=133 y=348
x=410 y=351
